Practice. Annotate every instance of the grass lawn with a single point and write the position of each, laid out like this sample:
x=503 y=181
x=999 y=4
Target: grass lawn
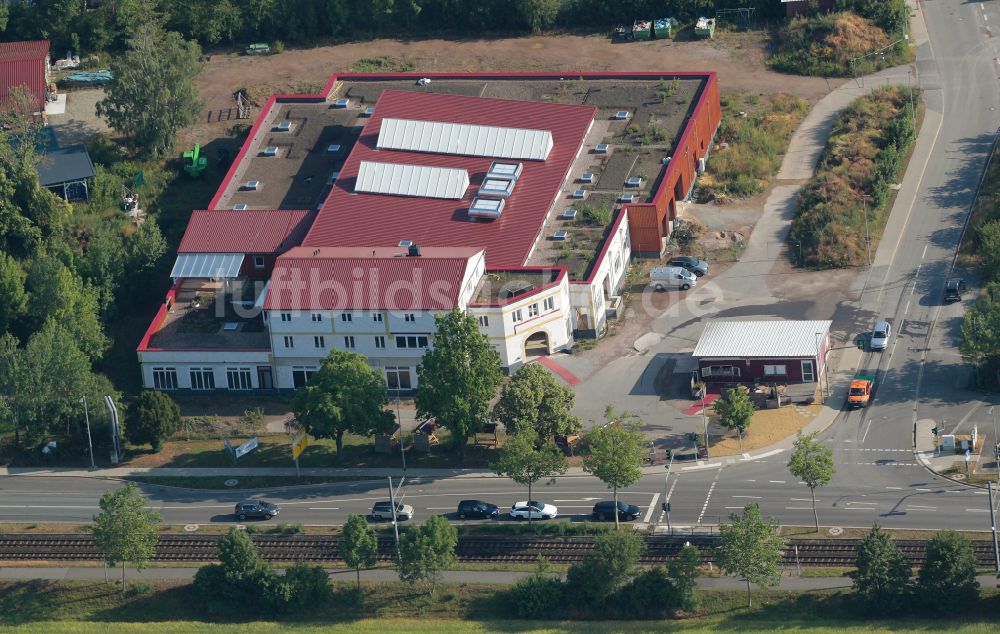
x=48 y=606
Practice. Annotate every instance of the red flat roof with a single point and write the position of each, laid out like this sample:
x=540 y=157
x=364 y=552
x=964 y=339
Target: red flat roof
x=247 y=231
x=366 y=278
x=349 y=219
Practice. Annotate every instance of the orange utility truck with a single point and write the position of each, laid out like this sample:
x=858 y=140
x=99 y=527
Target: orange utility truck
x=861 y=391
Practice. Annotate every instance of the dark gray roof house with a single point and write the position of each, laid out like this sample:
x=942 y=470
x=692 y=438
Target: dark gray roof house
x=66 y=171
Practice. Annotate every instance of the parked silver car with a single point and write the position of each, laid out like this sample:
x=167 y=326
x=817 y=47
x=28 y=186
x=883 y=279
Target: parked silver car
x=383 y=511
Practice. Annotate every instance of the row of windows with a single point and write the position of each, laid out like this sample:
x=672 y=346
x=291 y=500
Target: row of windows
x=202 y=379
x=518 y=315
x=348 y=317
x=402 y=341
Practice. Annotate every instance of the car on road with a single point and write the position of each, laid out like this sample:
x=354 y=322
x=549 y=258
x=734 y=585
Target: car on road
x=696 y=266
x=256 y=509
x=536 y=510
x=606 y=511
x=953 y=290
x=880 y=336
x=689 y=453
x=383 y=511
x=477 y=509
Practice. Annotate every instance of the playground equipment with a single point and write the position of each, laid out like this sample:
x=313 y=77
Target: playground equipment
x=194 y=162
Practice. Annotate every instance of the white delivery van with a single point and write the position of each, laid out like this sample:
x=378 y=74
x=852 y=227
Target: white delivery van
x=666 y=277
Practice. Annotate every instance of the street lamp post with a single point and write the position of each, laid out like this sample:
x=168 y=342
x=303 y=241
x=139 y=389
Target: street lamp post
x=90 y=443
x=913 y=112
x=399 y=421
x=996 y=440
x=704 y=415
x=816 y=336
x=868 y=237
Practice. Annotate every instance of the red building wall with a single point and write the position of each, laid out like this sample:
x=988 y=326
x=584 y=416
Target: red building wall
x=753 y=370
x=649 y=223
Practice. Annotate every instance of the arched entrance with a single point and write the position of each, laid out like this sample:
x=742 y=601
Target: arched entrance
x=537 y=345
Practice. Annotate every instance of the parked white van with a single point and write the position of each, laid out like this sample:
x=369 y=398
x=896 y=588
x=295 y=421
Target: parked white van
x=666 y=277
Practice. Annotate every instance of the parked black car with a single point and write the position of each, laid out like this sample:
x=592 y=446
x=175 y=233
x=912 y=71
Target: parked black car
x=953 y=290
x=477 y=509
x=696 y=266
x=606 y=511
x=256 y=509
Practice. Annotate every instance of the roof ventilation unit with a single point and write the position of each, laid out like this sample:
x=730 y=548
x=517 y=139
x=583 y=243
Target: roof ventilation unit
x=488 y=208
x=634 y=181
x=341 y=103
x=284 y=126
x=588 y=177
x=621 y=115
x=413 y=251
x=627 y=198
x=560 y=235
x=271 y=150
x=333 y=148
x=569 y=214
x=406 y=243
x=367 y=112
x=580 y=193
x=240 y=207
x=500 y=169
x=502 y=187
x=251 y=185
x=602 y=148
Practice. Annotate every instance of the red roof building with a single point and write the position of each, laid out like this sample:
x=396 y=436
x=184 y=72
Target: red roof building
x=24 y=64
x=247 y=231
x=348 y=218
x=366 y=278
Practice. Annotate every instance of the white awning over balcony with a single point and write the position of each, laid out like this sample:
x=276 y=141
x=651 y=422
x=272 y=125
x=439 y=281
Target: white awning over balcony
x=207 y=265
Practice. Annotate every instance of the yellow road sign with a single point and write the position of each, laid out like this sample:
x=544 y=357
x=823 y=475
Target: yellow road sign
x=299 y=443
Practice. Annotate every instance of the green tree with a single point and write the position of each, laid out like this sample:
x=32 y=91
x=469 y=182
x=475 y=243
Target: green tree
x=614 y=454
x=152 y=418
x=152 y=93
x=13 y=298
x=458 y=377
x=345 y=395
x=882 y=577
x=425 y=552
x=981 y=326
x=358 y=545
x=603 y=570
x=125 y=530
x=989 y=248
x=57 y=293
x=750 y=547
x=538 y=15
x=534 y=399
x=734 y=409
x=525 y=462
x=242 y=578
x=812 y=463
x=949 y=571
x=683 y=573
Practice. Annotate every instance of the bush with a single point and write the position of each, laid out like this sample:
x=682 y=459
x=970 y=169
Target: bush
x=834 y=45
x=152 y=418
x=538 y=596
x=947 y=579
x=307 y=586
x=615 y=555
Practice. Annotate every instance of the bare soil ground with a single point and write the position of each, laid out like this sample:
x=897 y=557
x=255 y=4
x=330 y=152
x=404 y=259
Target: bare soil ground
x=738 y=58
x=768 y=427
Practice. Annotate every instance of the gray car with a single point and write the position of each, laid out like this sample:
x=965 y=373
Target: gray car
x=696 y=266
x=383 y=511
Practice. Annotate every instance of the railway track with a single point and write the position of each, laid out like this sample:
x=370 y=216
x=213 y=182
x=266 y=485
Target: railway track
x=485 y=549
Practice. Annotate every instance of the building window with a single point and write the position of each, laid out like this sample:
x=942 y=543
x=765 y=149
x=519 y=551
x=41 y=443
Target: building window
x=775 y=370
x=380 y=342
x=258 y=262
x=289 y=341
x=346 y=317
x=533 y=310
x=319 y=341
x=317 y=317
x=239 y=378
x=301 y=375
x=349 y=341
x=517 y=316
x=411 y=341
x=550 y=303
x=410 y=317
x=484 y=321
x=286 y=316
x=377 y=317
x=397 y=378
x=724 y=371
x=202 y=379
x=165 y=378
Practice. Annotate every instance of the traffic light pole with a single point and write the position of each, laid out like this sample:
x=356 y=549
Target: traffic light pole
x=993 y=527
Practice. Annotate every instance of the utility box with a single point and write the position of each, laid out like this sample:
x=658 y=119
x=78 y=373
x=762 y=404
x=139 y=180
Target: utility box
x=948 y=443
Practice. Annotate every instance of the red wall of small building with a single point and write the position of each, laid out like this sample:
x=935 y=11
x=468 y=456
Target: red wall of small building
x=753 y=369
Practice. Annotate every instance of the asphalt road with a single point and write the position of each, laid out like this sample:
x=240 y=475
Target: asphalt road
x=921 y=374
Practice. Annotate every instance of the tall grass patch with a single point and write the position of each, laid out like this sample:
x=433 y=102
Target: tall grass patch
x=865 y=154
x=756 y=130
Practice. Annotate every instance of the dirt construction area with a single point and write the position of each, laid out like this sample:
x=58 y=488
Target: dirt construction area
x=738 y=58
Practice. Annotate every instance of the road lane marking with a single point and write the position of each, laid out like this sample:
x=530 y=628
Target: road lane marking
x=325 y=508
x=986 y=18
x=977 y=510
x=776 y=481
x=860 y=508
x=895 y=488
x=800 y=500
x=864 y=503
x=652 y=505
x=798 y=508
x=749 y=480
x=709 y=496
x=738 y=508
x=748 y=497
x=436 y=508
x=922 y=255
x=925 y=490
x=921 y=508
